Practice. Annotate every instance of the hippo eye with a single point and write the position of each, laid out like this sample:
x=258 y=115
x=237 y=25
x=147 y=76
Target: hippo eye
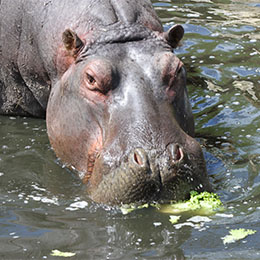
x=92 y=83
x=90 y=79
x=175 y=81
x=97 y=77
x=180 y=70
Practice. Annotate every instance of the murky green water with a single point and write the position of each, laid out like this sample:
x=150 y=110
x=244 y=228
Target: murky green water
x=44 y=207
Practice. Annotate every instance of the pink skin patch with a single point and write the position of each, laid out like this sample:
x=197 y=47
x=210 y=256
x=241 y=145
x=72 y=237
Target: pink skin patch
x=94 y=150
x=96 y=81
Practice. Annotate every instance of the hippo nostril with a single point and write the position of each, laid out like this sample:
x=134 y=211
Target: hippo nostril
x=138 y=158
x=176 y=152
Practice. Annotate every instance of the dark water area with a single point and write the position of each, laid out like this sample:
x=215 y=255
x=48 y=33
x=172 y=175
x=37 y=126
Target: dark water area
x=44 y=207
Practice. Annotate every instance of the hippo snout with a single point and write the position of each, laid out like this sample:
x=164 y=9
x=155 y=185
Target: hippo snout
x=147 y=175
x=139 y=161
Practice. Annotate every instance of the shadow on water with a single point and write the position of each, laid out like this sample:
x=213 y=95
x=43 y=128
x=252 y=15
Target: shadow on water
x=45 y=207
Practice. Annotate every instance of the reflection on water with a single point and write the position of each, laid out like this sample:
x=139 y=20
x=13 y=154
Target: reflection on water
x=44 y=206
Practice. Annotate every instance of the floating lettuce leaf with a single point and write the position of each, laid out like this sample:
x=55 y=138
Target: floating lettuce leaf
x=237 y=234
x=205 y=203
x=127 y=208
x=174 y=219
x=62 y=254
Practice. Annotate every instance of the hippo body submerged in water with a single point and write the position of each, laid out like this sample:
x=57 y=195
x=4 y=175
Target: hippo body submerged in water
x=113 y=92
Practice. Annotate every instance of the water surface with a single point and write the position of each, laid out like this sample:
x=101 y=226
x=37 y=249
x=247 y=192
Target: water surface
x=44 y=206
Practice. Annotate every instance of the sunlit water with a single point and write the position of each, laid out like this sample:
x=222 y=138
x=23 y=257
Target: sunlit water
x=44 y=206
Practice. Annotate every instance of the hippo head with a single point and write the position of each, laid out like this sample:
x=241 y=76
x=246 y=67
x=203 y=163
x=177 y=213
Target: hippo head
x=120 y=116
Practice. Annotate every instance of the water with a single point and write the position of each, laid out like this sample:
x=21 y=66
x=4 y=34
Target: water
x=44 y=207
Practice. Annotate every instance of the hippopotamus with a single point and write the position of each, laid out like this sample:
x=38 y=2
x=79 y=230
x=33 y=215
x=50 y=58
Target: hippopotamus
x=104 y=74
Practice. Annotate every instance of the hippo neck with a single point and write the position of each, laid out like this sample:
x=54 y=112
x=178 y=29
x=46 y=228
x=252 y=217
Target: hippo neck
x=119 y=33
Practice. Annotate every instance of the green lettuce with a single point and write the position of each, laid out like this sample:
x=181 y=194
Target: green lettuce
x=204 y=203
x=237 y=234
x=127 y=208
x=174 y=219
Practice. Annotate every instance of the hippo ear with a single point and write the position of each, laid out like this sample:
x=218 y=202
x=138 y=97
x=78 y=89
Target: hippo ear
x=174 y=35
x=71 y=41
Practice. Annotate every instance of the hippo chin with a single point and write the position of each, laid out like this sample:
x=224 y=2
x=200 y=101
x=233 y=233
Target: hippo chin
x=118 y=110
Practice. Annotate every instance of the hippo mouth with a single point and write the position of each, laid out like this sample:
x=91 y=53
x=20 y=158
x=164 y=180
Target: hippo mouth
x=150 y=177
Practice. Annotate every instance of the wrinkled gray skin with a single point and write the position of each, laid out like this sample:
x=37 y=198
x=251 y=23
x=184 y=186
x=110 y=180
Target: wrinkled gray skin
x=127 y=129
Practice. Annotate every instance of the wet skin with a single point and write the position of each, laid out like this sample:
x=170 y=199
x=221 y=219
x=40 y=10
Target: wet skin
x=117 y=105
